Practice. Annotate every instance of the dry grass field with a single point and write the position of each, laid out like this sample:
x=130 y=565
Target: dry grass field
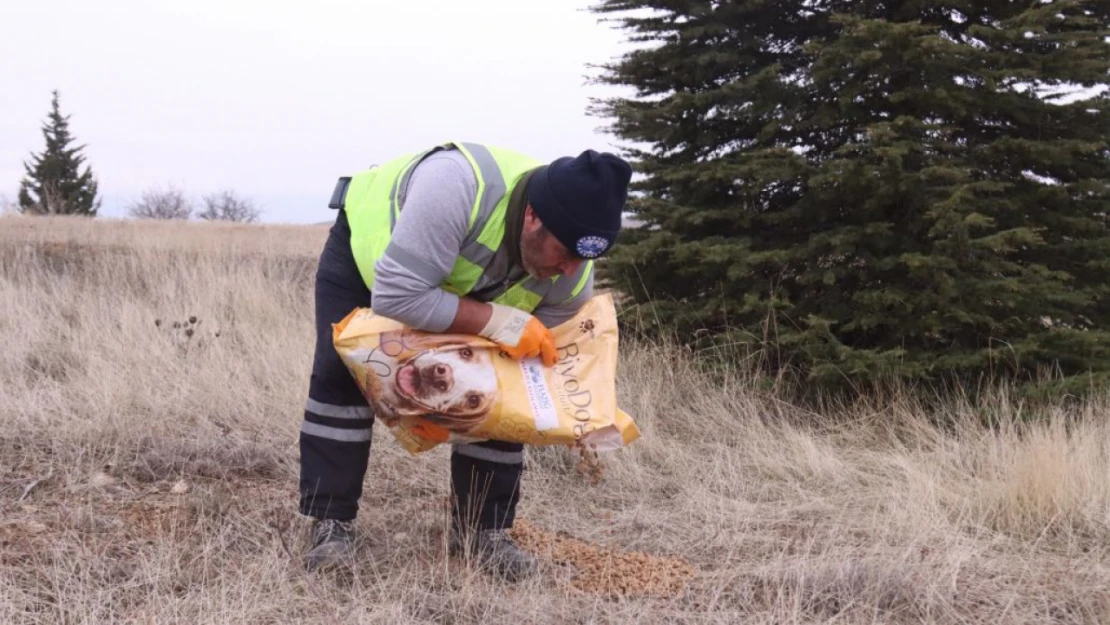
x=147 y=476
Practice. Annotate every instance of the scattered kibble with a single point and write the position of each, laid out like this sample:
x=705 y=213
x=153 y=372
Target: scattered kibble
x=590 y=464
x=607 y=571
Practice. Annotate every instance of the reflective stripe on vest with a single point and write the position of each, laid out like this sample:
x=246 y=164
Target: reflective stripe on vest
x=373 y=205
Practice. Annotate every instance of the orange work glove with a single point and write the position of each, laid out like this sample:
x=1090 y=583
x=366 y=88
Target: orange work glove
x=520 y=334
x=430 y=432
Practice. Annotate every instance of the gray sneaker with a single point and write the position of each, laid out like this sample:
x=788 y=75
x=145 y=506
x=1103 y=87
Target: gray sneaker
x=332 y=541
x=495 y=551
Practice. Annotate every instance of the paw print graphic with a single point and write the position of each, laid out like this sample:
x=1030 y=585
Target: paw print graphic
x=587 y=327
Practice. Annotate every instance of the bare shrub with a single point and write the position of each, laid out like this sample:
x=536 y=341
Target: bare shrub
x=170 y=203
x=7 y=206
x=229 y=206
x=51 y=202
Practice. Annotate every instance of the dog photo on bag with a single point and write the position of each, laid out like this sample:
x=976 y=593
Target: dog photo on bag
x=439 y=378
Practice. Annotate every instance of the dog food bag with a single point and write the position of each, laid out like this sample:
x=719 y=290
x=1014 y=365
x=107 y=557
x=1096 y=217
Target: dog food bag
x=430 y=388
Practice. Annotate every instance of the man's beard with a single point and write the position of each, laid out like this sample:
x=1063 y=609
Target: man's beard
x=532 y=270
x=528 y=266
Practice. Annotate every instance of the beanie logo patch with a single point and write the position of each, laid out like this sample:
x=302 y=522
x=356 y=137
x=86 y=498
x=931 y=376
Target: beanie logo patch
x=591 y=247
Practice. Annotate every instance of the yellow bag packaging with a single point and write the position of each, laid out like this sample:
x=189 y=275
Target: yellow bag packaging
x=430 y=388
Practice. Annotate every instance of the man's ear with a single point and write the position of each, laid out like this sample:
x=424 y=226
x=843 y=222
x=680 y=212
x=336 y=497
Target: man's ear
x=532 y=221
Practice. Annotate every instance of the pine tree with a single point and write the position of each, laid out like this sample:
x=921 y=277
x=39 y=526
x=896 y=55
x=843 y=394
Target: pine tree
x=54 y=184
x=861 y=189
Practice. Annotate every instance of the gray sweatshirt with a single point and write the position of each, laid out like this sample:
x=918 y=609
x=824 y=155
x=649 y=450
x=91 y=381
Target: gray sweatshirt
x=435 y=210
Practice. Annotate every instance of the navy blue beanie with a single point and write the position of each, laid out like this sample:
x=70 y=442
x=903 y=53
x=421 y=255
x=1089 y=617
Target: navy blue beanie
x=580 y=200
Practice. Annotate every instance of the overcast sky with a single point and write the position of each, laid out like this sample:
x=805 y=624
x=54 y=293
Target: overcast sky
x=276 y=99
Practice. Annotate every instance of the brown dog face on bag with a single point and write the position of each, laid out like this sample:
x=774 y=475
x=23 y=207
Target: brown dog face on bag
x=438 y=377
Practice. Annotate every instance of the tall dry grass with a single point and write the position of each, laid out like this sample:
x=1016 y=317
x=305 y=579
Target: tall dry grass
x=163 y=471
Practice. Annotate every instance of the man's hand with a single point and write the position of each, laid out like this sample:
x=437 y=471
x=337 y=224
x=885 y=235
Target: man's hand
x=520 y=334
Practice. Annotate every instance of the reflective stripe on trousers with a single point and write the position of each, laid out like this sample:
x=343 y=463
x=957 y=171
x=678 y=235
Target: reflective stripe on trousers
x=337 y=428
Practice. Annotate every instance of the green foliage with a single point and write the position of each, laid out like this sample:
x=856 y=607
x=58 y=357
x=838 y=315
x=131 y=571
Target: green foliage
x=53 y=184
x=861 y=190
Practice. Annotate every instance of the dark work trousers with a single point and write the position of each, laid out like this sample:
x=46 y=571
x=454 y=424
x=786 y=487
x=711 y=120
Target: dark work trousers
x=335 y=433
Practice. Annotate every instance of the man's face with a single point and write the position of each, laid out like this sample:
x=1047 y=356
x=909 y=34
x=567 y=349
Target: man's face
x=543 y=255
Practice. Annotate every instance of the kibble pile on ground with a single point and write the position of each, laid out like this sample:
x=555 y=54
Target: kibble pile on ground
x=604 y=570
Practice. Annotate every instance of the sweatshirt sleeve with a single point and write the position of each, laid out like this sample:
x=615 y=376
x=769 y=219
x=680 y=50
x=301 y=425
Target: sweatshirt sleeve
x=425 y=243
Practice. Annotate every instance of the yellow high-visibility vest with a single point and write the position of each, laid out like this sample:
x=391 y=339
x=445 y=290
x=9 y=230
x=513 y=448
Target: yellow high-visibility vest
x=372 y=211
